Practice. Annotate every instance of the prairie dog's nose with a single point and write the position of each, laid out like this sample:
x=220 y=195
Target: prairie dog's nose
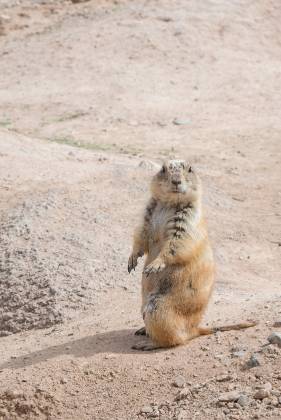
x=176 y=182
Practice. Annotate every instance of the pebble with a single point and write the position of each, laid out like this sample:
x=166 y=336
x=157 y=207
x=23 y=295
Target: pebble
x=178 y=121
x=184 y=393
x=14 y=394
x=252 y=362
x=263 y=392
x=7 y=316
x=229 y=396
x=243 y=400
x=110 y=356
x=239 y=353
x=146 y=410
x=79 y=1
x=276 y=393
x=275 y=338
x=179 y=382
x=274 y=402
x=224 y=378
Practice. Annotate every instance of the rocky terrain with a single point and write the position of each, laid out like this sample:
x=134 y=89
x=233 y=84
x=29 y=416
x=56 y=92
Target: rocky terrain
x=93 y=96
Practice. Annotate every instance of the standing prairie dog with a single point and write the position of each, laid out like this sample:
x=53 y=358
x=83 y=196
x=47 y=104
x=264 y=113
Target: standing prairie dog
x=178 y=275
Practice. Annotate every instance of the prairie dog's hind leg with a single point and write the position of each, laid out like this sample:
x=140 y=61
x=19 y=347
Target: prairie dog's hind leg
x=146 y=347
x=141 y=331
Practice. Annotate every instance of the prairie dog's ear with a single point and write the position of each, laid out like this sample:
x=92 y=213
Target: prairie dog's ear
x=163 y=169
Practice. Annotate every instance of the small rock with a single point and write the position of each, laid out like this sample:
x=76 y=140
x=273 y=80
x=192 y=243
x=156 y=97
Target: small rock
x=229 y=396
x=263 y=392
x=277 y=324
x=12 y=395
x=252 y=362
x=7 y=316
x=274 y=402
x=279 y=400
x=183 y=394
x=79 y=1
x=196 y=388
x=219 y=356
x=178 y=121
x=52 y=291
x=267 y=386
x=179 y=382
x=110 y=356
x=146 y=410
x=223 y=378
x=276 y=393
x=239 y=353
x=243 y=400
x=165 y=19
x=63 y=381
x=275 y=338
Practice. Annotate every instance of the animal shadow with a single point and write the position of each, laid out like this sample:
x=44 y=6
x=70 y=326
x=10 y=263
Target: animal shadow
x=120 y=341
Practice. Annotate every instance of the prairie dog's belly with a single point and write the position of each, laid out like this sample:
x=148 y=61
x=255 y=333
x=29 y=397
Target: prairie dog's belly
x=159 y=220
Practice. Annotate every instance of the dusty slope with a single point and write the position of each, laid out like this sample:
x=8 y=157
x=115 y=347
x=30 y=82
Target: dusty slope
x=112 y=78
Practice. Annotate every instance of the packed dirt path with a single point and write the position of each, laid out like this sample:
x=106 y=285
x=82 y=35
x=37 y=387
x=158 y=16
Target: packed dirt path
x=93 y=96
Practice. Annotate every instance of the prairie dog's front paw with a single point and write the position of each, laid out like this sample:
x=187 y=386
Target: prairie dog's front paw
x=154 y=267
x=132 y=262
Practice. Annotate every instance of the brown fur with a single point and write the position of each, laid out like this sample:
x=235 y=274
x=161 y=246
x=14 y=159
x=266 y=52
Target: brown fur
x=178 y=276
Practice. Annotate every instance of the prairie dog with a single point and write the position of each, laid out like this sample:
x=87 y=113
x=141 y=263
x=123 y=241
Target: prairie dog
x=178 y=275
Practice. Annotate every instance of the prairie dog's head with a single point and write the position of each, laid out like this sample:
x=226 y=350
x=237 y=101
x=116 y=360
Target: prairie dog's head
x=176 y=183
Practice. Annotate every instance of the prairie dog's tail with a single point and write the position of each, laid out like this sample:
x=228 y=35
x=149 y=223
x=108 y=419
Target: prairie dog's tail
x=213 y=330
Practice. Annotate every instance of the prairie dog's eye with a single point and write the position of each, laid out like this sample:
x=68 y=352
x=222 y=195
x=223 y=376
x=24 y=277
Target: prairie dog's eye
x=190 y=169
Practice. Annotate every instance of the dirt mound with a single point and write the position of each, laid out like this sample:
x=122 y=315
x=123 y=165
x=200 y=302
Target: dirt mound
x=16 y=404
x=54 y=234
x=27 y=298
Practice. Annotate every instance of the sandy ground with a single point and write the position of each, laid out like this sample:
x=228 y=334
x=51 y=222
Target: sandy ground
x=92 y=97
